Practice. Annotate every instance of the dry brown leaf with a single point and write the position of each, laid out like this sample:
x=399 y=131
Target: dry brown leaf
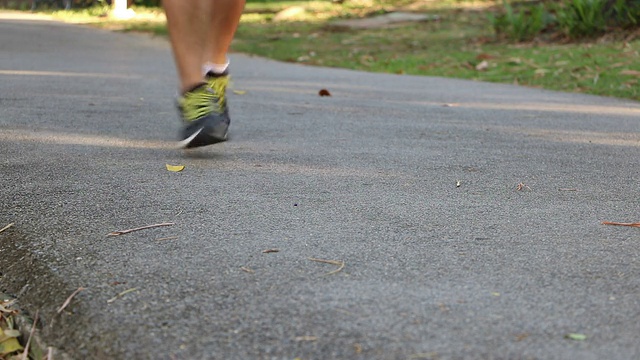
x=4 y=309
x=630 y=72
x=617 y=65
x=467 y=65
x=483 y=65
x=324 y=92
x=484 y=56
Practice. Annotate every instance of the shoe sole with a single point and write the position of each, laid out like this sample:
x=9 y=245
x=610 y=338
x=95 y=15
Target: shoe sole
x=204 y=135
x=200 y=138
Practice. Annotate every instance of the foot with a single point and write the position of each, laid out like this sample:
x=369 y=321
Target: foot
x=204 y=113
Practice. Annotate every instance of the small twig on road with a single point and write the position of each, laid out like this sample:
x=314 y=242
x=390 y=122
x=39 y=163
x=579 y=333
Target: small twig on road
x=121 y=295
x=270 y=251
x=306 y=338
x=122 y=232
x=332 y=262
x=6 y=227
x=167 y=238
x=621 y=224
x=25 y=353
x=246 y=269
x=66 y=302
x=22 y=291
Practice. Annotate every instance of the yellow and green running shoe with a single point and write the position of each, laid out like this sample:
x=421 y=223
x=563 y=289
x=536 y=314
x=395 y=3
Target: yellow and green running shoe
x=204 y=113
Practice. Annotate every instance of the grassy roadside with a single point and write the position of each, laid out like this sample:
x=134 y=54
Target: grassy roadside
x=458 y=46
x=462 y=44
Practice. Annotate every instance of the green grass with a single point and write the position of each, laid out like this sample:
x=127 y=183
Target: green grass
x=461 y=45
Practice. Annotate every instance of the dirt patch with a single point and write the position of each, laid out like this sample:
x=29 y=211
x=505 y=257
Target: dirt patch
x=385 y=21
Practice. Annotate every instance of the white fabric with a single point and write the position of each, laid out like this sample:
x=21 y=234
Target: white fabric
x=215 y=68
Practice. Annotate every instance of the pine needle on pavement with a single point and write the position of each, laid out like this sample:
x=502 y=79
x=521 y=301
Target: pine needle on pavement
x=122 y=232
x=6 y=227
x=66 y=302
x=338 y=263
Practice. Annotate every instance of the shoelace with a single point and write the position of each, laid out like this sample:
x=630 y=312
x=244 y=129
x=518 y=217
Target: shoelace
x=205 y=100
x=219 y=87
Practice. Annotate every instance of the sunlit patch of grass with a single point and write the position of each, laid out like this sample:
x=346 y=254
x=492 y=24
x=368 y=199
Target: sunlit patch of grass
x=101 y=15
x=271 y=6
x=252 y=18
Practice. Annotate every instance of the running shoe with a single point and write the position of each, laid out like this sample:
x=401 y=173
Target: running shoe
x=204 y=113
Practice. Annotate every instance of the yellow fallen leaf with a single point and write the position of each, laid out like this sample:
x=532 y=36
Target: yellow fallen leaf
x=175 y=168
x=577 y=337
x=9 y=333
x=239 y=92
x=10 y=345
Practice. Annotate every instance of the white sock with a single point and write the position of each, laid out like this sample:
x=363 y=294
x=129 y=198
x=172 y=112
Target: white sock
x=214 y=68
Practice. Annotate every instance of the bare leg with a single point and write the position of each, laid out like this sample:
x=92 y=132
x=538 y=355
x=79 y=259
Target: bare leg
x=189 y=22
x=225 y=16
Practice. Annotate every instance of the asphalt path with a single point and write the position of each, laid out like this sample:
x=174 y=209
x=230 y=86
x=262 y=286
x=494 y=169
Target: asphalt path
x=468 y=216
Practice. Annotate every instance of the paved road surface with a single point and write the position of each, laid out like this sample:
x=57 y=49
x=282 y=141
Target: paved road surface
x=367 y=176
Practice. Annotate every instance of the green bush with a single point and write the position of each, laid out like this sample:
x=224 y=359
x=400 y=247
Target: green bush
x=583 y=18
x=522 y=25
x=625 y=13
